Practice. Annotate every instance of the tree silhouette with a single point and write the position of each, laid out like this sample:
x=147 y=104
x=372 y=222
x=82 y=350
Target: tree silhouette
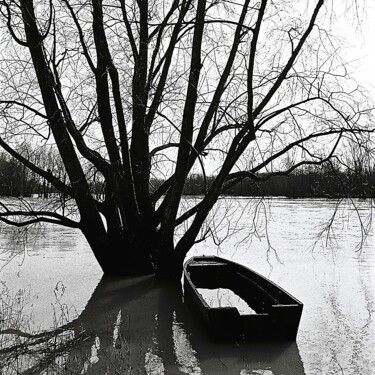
x=130 y=90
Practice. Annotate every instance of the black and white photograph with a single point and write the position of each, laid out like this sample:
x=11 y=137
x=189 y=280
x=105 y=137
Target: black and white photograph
x=187 y=187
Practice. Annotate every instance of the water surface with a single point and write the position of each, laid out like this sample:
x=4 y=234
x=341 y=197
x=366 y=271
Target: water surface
x=143 y=326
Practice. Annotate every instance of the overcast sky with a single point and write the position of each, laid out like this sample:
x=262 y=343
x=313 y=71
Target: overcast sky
x=361 y=43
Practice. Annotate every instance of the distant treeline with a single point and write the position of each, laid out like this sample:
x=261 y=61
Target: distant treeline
x=16 y=180
x=324 y=181
x=318 y=181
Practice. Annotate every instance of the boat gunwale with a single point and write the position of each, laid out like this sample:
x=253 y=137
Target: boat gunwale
x=222 y=261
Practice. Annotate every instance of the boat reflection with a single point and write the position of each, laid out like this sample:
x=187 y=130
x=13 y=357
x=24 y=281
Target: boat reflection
x=141 y=325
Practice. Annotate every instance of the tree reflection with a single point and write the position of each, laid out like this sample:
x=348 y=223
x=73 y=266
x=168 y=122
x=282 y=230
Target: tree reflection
x=138 y=326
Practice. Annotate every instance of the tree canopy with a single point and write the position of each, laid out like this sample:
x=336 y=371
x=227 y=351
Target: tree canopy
x=130 y=90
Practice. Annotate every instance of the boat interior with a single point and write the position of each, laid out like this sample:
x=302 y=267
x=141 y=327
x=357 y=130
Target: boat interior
x=256 y=291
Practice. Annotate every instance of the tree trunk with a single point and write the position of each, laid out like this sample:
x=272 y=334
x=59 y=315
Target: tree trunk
x=119 y=256
x=170 y=265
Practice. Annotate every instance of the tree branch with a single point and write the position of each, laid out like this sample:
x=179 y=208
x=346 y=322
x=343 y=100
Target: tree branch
x=163 y=147
x=23 y=105
x=129 y=30
x=81 y=37
x=250 y=69
x=167 y=63
x=290 y=62
x=58 y=184
x=39 y=216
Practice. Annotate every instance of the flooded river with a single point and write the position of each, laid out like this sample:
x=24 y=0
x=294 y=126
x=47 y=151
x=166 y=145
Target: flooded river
x=60 y=316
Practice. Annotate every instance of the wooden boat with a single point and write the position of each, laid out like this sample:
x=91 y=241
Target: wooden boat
x=275 y=316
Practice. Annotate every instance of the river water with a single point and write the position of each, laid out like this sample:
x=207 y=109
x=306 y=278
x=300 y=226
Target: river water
x=49 y=278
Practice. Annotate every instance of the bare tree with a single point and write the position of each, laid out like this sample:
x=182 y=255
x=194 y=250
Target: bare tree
x=128 y=90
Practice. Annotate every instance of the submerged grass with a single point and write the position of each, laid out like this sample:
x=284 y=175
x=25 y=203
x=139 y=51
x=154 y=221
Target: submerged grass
x=65 y=349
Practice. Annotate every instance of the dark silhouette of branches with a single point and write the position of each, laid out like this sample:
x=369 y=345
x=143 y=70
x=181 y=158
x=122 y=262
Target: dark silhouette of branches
x=137 y=98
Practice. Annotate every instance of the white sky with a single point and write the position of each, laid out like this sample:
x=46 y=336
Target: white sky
x=360 y=36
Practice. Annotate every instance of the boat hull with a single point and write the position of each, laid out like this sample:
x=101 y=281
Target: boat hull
x=276 y=313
